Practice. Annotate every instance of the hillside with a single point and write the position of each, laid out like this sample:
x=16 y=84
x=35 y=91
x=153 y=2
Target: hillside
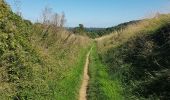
x=138 y=58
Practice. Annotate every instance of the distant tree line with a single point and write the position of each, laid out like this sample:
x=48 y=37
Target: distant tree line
x=98 y=32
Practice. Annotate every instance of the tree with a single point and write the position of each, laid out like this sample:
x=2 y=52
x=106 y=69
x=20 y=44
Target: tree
x=46 y=15
x=79 y=30
x=56 y=20
x=63 y=20
x=51 y=18
x=81 y=26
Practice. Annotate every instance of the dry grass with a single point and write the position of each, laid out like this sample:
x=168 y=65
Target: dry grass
x=119 y=37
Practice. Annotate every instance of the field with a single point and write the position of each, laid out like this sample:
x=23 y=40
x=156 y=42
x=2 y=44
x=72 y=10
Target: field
x=47 y=61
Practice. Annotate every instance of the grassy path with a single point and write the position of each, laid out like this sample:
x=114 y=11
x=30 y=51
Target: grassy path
x=101 y=84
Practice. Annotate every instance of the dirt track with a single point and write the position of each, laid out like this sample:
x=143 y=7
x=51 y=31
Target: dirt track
x=83 y=89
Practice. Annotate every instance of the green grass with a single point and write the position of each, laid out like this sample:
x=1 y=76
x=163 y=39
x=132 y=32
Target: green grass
x=70 y=84
x=101 y=84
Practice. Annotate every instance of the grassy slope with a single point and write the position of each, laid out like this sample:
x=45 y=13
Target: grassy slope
x=101 y=85
x=139 y=56
x=36 y=62
x=120 y=37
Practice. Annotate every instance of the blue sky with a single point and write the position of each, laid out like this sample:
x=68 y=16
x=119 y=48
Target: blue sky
x=94 y=13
